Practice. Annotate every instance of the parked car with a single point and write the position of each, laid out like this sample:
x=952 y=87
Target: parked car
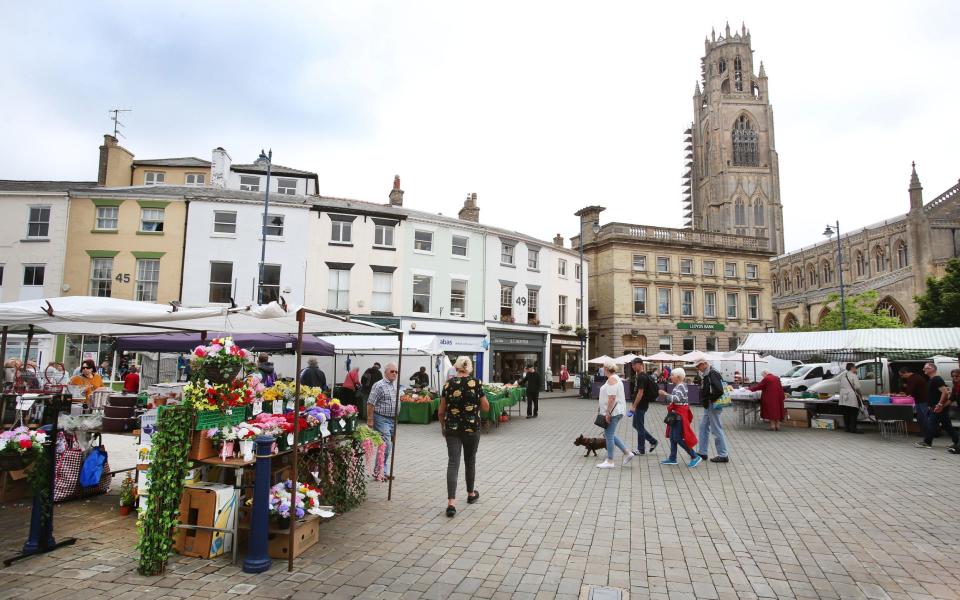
x=888 y=376
x=802 y=377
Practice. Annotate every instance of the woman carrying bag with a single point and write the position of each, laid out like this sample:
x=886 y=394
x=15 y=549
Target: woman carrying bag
x=613 y=405
x=679 y=421
x=851 y=398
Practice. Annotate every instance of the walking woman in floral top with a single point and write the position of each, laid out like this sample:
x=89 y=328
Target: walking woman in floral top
x=461 y=402
x=679 y=420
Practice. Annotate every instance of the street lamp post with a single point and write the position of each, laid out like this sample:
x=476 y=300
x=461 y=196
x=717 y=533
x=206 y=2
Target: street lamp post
x=583 y=338
x=263 y=231
x=843 y=305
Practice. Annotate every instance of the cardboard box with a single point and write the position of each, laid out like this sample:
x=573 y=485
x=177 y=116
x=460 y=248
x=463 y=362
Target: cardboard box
x=798 y=414
x=823 y=422
x=307 y=534
x=206 y=505
x=14 y=486
x=801 y=424
x=201 y=446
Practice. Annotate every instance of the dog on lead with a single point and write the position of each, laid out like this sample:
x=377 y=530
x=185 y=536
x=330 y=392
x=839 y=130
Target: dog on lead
x=591 y=444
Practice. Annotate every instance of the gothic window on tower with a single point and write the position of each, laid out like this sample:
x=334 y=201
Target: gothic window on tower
x=738 y=74
x=903 y=259
x=758 y=218
x=879 y=258
x=745 y=139
x=722 y=65
x=739 y=212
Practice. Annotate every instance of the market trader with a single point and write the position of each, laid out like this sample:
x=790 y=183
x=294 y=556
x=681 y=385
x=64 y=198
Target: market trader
x=382 y=411
x=420 y=378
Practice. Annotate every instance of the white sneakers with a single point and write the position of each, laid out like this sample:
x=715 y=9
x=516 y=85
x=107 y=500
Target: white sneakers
x=607 y=464
x=628 y=457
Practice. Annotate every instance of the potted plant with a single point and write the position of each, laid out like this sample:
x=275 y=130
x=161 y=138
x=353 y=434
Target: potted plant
x=128 y=495
x=307 y=502
x=221 y=361
x=564 y=327
x=581 y=333
x=19 y=447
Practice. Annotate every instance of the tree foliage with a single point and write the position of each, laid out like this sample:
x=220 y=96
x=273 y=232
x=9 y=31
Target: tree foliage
x=861 y=312
x=940 y=306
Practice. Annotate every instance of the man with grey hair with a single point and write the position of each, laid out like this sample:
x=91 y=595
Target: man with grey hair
x=382 y=411
x=710 y=391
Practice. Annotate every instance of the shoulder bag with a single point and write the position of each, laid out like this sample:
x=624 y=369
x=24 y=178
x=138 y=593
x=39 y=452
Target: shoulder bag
x=600 y=421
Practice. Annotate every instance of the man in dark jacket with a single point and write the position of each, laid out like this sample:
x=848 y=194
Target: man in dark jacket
x=643 y=391
x=312 y=376
x=710 y=390
x=531 y=381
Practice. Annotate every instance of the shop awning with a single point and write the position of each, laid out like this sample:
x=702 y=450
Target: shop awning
x=254 y=342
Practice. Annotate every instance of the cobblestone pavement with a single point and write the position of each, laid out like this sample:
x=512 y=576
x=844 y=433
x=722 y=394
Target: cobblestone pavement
x=795 y=514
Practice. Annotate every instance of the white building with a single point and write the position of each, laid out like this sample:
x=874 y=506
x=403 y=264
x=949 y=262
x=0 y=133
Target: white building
x=33 y=237
x=223 y=247
x=253 y=177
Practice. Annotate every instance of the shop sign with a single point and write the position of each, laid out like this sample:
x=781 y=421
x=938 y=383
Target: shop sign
x=702 y=326
x=450 y=343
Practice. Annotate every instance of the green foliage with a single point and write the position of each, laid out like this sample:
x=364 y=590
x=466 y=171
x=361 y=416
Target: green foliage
x=38 y=476
x=168 y=467
x=342 y=475
x=940 y=306
x=861 y=313
x=128 y=491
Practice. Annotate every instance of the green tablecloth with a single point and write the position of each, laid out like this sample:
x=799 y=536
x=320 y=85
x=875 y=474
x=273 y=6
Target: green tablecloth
x=418 y=412
x=498 y=402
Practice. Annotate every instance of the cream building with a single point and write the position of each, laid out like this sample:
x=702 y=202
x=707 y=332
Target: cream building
x=655 y=288
x=893 y=257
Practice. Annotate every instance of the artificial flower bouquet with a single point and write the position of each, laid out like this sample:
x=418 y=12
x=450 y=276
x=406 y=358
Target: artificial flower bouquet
x=221 y=361
x=19 y=446
x=204 y=395
x=282 y=505
x=339 y=411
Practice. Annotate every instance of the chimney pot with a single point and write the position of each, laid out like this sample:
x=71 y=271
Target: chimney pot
x=558 y=240
x=396 y=194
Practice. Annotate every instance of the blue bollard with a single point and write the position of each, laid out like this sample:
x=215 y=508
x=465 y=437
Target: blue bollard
x=257 y=559
x=41 y=536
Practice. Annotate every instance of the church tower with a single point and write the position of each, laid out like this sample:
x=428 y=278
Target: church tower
x=733 y=174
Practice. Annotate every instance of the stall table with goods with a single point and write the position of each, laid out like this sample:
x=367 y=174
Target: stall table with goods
x=501 y=398
x=223 y=412
x=418 y=407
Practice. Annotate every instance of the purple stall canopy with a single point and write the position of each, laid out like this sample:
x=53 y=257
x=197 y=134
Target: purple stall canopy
x=254 y=342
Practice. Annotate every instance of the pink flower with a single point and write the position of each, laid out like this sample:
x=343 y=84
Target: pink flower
x=200 y=351
x=215 y=348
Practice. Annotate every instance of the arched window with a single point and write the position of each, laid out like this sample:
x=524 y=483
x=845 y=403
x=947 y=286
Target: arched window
x=745 y=140
x=722 y=65
x=861 y=264
x=889 y=306
x=812 y=275
x=758 y=217
x=725 y=86
x=823 y=314
x=798 y=277
x=827 y=273
x=878 y=258
x=738 y=74
x=776 y=285
x=903 y=259
x=739 y=213
x=790 y=322
x=786 y=282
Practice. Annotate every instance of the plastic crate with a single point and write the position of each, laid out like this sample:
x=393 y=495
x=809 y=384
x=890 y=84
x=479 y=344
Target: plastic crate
x=208 y=419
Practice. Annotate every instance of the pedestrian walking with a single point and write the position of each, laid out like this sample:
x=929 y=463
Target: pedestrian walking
x=548 y=378
x=938 y=403
x=711 y=390
x=679 y=420
x=613 y=405
x=850 y=398
x=643 y=391
x=461 y=402
x=564 y=376
x=531 y=381
x=382 y=411
x=771 y=399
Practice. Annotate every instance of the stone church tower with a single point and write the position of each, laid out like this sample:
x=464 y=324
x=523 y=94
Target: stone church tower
x=733 y=172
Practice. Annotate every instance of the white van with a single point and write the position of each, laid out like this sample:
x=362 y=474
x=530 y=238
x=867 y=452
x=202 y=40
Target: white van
x=802 y=377
x=888 y=377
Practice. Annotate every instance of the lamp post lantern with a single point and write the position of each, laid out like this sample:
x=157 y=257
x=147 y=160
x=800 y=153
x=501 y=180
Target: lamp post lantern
x=268 y=157
x=843 y=307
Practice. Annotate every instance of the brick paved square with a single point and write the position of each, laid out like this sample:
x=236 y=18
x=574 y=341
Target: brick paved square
x=795 y=514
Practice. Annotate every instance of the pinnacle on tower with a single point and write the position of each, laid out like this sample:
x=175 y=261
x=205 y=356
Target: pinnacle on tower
x=728 y=30
x=914 y=179
x=696 y=89
x=763 y=73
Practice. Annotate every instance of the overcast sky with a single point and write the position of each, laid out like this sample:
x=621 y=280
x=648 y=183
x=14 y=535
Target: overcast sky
x=540 y=108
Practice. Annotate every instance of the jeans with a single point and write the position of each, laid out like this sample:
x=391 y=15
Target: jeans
x=468 y=443
x=682 y=444
x=935 y=422
x=639 y=418
x=384 y=425
x=923 y=417
x=610 y=434
x=710 y=421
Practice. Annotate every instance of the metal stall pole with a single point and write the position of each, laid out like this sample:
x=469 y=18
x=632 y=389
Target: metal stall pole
x=396 y=420
x=301 y=317
x=258 y=557
x=26 y=354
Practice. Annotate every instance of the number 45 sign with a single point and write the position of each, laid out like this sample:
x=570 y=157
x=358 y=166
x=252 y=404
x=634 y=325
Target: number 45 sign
x=123 y=277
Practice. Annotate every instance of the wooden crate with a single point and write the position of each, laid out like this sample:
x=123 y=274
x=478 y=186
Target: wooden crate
x=306 y=535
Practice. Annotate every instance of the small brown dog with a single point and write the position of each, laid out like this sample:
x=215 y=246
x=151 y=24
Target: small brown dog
x=591 y=444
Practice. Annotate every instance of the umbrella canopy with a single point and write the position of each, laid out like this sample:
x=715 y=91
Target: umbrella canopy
x=626 y=358
x=694 y=356
x=664 y=357
x=254 y=342
x=600 y=359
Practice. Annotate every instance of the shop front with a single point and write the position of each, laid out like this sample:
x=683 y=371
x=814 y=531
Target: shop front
x=455 y=340
x=564 y=350
x=512 y=351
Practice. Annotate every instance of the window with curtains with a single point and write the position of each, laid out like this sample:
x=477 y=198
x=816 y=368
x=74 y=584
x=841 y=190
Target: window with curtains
x=148 y=279
x=732 y=302
x=382 y=292
x=221 y=281
x=101 y=277
x=422 y=285
x=533 y=300
x=151 y=220
x=753 y=307
x=107 y=218
x=639 y=300
x=663 y=301
x=338 y=290
x=271 y=284
x=686 y=303
x=710 y=304
x=458 y=298
x=562 y=310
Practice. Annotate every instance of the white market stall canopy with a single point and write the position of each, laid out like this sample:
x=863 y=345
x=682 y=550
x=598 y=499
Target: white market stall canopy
x=600 y=359
x=113 y=316
x=663 y=357
x=383 y=344
x=856 y=344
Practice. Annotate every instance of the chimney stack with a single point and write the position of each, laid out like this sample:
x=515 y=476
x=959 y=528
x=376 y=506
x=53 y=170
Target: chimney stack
x=220 y=168
x=470 y=211
x=558 y=240
x=396 y=194
x=116 y=164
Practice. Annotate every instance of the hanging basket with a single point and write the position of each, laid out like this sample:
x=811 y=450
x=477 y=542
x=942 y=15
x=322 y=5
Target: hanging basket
x=14 y=461
x=214 y=374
